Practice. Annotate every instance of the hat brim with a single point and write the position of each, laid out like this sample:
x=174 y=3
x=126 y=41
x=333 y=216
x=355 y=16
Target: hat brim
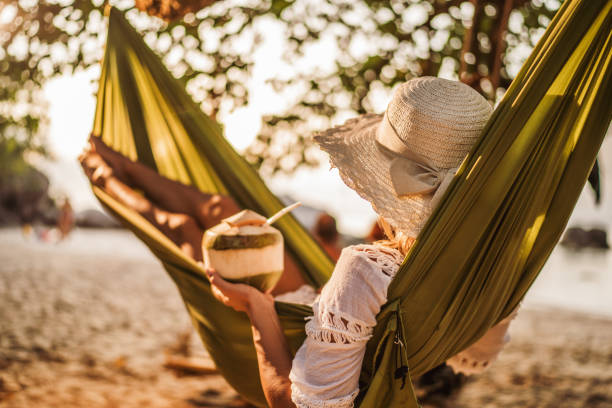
x=353 y=150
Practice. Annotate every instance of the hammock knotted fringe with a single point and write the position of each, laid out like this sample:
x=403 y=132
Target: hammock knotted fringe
x=474 y=261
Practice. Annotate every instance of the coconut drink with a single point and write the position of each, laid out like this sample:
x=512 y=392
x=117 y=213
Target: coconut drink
x=245 y=248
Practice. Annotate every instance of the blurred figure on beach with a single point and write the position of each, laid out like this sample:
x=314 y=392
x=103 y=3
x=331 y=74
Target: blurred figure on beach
x=326 y=232
x=376 y=233
x=65 y=219
x=27 y=230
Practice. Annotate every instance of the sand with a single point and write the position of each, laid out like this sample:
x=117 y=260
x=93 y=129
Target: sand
x=555 y=359
x=87 y=323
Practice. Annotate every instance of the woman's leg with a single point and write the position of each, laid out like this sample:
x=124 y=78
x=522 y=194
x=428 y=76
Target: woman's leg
x=207 y=209
x=180 y=228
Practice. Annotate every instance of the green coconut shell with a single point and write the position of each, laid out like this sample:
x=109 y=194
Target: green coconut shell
x=263 y=282
x=223 y=242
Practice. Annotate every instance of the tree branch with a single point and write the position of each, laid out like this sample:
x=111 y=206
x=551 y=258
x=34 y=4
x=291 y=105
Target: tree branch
x=469 y=41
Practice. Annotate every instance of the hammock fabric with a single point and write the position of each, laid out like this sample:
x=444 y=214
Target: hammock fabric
x=477 y=256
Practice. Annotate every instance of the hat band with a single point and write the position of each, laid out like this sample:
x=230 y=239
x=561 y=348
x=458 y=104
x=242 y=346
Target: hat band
x=409 y=173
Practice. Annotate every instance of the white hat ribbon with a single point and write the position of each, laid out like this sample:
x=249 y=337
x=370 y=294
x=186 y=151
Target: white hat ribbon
x=408 y=173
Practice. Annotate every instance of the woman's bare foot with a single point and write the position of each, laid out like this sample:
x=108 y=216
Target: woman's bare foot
x=95 y=168
x=114 y=159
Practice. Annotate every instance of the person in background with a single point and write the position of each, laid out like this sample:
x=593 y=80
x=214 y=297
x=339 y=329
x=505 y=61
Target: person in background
x=65 y=219
x=327 y=234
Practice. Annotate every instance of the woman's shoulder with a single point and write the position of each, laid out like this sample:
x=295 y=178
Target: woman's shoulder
x=377 y=256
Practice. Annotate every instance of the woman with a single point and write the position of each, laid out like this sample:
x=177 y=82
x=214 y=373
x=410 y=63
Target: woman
x=401 y=163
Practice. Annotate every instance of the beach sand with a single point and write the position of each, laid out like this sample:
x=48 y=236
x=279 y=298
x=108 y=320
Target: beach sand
x=87 y=323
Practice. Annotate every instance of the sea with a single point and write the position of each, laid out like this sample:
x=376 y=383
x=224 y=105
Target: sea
x=576 y=280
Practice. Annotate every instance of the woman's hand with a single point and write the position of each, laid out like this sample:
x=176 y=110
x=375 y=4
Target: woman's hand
x=273 y=354
x=238 y=296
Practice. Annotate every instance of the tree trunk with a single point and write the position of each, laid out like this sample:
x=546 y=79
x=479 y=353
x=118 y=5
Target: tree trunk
x=470 y=45
x=499 y=45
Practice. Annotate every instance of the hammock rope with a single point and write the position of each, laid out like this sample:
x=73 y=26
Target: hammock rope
x=475 y=259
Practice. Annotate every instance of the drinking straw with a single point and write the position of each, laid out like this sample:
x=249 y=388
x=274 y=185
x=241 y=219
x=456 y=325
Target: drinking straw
x=282 y=212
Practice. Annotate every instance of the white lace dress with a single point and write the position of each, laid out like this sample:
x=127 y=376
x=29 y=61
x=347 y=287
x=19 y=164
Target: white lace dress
x=326 y=368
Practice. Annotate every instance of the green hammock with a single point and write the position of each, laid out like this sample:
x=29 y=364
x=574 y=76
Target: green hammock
x=477 y=256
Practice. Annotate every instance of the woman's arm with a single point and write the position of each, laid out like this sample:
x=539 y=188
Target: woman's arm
x=325 y=370
x=273 y=355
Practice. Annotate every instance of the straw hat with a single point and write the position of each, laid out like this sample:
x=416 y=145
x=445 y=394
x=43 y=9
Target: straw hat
x=402 y=161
